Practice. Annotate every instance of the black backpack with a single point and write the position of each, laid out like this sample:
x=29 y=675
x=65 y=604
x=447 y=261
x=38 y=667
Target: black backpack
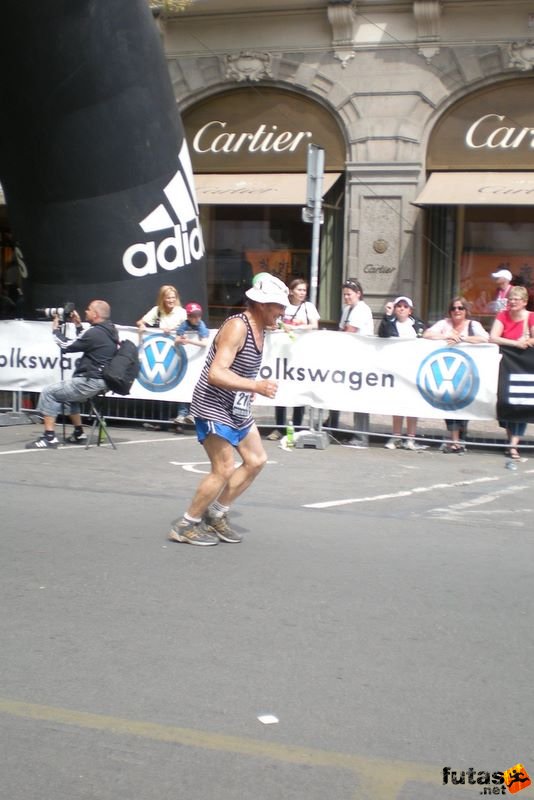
x=123 y=368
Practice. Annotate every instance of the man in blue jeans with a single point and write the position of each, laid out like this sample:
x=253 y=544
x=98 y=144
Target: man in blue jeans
x=98 y=343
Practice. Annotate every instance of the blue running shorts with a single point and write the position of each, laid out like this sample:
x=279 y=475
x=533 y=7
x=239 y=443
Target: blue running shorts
x=233 y=435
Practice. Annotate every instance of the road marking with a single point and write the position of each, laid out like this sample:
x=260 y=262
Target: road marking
x=395 y=495
x=192 y=466
x=63 y=448
x=472 y=506
x=377 y=779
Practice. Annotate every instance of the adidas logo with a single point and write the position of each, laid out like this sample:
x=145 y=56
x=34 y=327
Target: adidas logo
x=186 y=244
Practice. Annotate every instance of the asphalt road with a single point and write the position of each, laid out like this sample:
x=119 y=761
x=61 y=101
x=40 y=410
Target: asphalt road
x=380 y=608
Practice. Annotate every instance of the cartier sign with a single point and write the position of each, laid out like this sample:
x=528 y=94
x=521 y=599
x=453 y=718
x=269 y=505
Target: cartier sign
x=260 y=130
x=490 y=130
x=215 y=138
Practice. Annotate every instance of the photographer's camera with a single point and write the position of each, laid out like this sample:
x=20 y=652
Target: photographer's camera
x=63 y=313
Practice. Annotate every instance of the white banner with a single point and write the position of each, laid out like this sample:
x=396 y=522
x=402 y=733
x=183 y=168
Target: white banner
x=324 y=369
x=415 y=377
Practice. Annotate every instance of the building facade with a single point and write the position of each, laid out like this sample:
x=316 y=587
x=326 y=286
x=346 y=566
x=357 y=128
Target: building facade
x=423 y=110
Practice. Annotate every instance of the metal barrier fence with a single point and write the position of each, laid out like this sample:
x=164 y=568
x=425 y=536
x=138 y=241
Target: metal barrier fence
x=123 y=409
x=160 y=412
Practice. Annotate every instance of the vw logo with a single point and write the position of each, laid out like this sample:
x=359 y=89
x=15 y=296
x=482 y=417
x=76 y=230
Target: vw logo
x=448 y=379
x=163 y=365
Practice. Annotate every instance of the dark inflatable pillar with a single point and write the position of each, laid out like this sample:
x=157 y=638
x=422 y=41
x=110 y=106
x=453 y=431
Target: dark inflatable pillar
x=93 y=160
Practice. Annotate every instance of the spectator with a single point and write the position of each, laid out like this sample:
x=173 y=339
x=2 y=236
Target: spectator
x=356 y=317
x=98 y=343
x=399 y=320
x=302 y=315
x=455 y=329
x=167 y=314
x=514 y=327
x=520 y=280
x=502 y=278
x=192 y=331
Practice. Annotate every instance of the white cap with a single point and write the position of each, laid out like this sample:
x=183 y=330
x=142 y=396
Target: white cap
x=502 y=273
x=403 y=299
x=268 y=289
x=259 y=276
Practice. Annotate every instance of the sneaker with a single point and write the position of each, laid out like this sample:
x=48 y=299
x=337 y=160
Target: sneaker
x=180 y=420
x=189 y=419
x=357 y=443
x=43 y=443
x=275 y=435
x=411 y=444
x=191 y=533
x=74 y=438
x=394 y=443
x=222 y=528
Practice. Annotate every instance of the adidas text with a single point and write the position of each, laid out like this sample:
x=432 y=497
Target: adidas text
x=171 y=253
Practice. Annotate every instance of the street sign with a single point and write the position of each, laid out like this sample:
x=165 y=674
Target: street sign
x=308 y=215
x=315 y=172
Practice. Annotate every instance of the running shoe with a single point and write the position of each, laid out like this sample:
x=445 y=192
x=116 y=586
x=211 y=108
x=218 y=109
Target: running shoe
x=222 y=528
x=357 y=443
x=191 y=533
x=43 y=444
x=74 y=438
x=411 y=444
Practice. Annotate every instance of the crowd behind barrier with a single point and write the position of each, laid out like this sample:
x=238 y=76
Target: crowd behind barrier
x=384 y=377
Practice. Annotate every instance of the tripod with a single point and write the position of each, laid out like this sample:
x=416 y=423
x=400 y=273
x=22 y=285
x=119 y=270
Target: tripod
x=63 y=328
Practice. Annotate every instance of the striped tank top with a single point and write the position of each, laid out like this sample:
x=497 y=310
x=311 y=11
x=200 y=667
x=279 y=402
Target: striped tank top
x=225 y=405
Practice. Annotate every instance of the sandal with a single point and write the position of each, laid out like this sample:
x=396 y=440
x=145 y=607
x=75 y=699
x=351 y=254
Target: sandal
x=513 y=454
x=452 y=447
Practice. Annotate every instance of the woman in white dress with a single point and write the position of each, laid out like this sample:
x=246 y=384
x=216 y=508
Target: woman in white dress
x=356 y=317
x=299 y=315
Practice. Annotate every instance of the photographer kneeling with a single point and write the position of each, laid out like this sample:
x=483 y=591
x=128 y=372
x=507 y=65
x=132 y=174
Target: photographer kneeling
x=98 y=343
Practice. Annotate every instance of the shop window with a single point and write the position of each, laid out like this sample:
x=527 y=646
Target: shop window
x=442 y=277
x=496 y=237
x=244 y=240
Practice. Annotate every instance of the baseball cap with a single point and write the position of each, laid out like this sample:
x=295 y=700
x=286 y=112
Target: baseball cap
x=193 y=308
x=403 y=299
x=268 y=289
x=502 y=273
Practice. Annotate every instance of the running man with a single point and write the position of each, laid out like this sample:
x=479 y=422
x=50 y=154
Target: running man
x=221 y=408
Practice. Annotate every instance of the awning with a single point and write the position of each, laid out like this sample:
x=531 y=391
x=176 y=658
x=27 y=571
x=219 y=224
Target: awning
x=270 y=189
x=478 y=189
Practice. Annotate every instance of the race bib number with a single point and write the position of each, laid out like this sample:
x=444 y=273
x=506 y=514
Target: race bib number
x=241 y=407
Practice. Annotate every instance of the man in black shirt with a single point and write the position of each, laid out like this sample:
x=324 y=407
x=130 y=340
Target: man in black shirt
x=98 y=343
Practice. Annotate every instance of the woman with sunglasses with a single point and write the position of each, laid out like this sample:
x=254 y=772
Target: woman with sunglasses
x=456 y=329
x=514 y=327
